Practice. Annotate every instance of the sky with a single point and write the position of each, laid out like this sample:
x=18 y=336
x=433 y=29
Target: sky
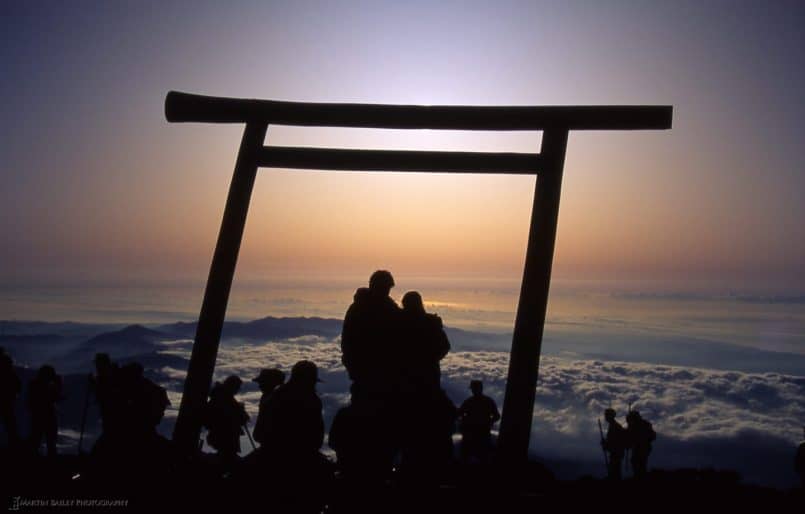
x=97 y=186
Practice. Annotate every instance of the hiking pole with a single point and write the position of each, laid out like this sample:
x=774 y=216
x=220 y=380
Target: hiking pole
x=606 y=459
x=84 y=415
x=246 y=428
x=626 y=463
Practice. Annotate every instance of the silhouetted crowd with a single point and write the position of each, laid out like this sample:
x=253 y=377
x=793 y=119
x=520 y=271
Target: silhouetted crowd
x=398 y=421
x=398 y=418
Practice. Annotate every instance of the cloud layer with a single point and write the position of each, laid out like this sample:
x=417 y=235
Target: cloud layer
x=704 y=418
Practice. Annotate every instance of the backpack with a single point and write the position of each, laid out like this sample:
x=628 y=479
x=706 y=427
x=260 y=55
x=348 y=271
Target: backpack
x=651 y=435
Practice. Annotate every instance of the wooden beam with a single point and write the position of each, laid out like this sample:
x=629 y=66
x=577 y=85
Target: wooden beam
x=386 y=160
x=185 y=107
x=521 y=382
x=216 y=295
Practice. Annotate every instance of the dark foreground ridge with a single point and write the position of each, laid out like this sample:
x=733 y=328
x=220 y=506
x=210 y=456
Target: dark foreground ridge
x=196 y=484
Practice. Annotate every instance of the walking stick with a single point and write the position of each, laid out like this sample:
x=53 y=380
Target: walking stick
x=601 y=431
x=84 y=415
x=626 y=462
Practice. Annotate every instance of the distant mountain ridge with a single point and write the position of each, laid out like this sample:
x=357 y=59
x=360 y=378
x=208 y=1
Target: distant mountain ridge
x=265 y=328
x=34 y=342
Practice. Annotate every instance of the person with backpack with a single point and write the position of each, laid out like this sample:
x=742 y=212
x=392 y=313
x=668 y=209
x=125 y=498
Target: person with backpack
x=640 y=434
x=224 y=419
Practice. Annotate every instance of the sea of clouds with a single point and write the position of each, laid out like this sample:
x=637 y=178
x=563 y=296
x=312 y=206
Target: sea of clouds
x=713 y=405
x=704 y=418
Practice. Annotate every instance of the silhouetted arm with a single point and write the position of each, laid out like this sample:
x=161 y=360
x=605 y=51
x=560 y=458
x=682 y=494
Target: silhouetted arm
x=349 y=338
x=442 y=343
x=494 y=410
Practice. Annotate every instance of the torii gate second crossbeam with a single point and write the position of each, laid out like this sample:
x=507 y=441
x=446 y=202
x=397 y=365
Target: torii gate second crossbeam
x=547 y=165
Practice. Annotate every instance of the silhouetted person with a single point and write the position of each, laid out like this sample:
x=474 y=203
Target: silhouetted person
x=640 y=434
x=799 y=460
x=615 y=444
x=476 y=417
x=268 y=380
x=43 y=393
x=370 y=337
x=370 y=351
x=293 y=417
x=425 y=344
x=225 y=417
x=132 y=406
x=105 y=386
x=10 y=387
x=293 y=436
x=145 y=403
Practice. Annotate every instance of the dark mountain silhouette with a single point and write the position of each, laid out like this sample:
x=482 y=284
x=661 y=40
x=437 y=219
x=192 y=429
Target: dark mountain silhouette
x=120 y=344
x=265 y=328
x=34 y=342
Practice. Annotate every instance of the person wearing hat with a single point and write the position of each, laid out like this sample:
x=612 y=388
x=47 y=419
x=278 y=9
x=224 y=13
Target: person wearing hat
x=268 y=380
x=294 y=425
x=615 y=444
x=476 y=417
x=289 y=457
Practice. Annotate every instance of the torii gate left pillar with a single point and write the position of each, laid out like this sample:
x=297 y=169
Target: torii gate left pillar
x=555 y=122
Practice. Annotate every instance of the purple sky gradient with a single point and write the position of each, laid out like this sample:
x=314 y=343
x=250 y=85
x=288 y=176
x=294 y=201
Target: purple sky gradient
x=96 y=184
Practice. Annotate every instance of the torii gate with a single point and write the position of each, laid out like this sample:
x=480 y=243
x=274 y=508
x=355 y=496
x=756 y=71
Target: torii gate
x=547 y=165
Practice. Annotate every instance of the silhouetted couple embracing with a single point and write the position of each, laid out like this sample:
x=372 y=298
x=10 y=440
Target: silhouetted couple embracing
x=398 y=408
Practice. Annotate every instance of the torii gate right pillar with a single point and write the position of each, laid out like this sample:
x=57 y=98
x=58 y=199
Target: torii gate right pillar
x=521 y=383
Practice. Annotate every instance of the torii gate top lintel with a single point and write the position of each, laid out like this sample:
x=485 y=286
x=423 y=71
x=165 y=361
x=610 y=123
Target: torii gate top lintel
x=554 y=121
x=186 y=107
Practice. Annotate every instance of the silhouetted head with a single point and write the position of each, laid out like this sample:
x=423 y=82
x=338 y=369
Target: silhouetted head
x=304 y=373
x=102 y=361
x=381 y=282
x=609 y=414
x=633 y=416
x=477 y=387
x=269 y=379
x=412 y=302
x=232 y=384
x=46 y=372
x=362 y=294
